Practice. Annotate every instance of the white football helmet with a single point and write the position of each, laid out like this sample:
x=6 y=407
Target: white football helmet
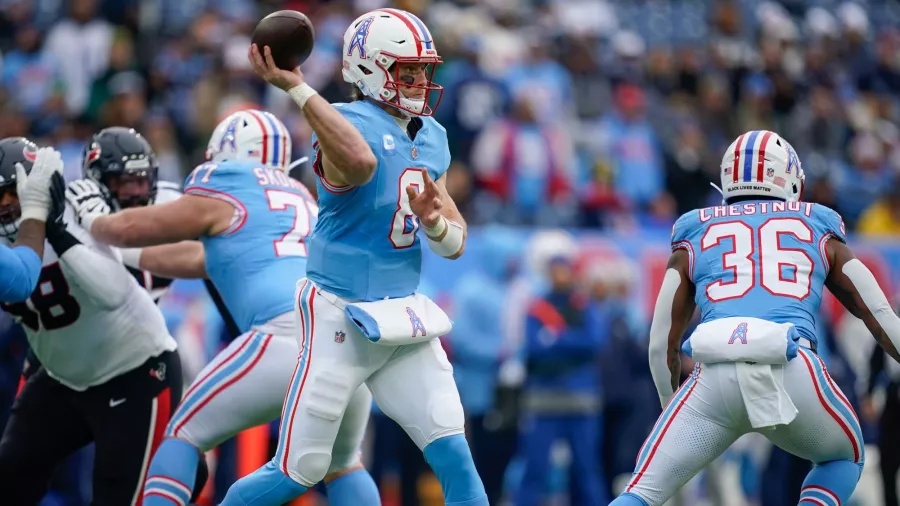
x=251 y=135
x=374 y=45
x=761 y=163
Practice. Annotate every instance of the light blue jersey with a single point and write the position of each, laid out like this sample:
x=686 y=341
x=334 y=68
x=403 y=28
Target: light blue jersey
x=365 y=245
x=20 y=268
x=255 y=263
x=762 y=259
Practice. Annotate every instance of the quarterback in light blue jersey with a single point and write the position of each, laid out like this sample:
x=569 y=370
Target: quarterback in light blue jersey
x=756 y=267
x=253 y=223
x=380 y=163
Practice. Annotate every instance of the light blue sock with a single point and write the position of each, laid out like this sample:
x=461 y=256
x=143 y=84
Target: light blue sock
x=628 y=499
x=353 y=489
x=264 y=487
x=170 y=479
x=451 y=461
x=831 y=483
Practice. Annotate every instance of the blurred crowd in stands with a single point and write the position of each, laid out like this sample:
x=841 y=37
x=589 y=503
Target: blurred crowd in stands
x=606 y=115
x=595 y=113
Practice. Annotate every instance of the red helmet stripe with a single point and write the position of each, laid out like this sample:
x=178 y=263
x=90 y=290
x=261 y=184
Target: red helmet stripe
x=737 y=156
x=265 y=139
x=762 y=156
x=409 y=24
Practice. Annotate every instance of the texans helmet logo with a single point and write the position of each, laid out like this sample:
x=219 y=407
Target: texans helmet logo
x=93 y=154
x=29 y=154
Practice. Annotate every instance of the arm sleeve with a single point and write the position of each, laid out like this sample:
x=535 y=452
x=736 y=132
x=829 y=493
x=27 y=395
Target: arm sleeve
x=20 y=268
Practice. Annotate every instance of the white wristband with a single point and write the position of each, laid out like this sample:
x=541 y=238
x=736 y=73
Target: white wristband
x=87 y=221
x=437 y=230
x=132 y=257
x=34 y=213
x=301 y=93
x=452 y=241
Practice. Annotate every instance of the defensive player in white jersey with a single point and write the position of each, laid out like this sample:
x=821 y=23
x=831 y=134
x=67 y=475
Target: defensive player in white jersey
x=252 y=221
x=756 y=266
x=20 y=263
x=381 y=163
x=124 y=166
x=110 y=372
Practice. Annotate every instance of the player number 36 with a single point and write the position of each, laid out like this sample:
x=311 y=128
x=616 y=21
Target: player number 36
x=783 y=271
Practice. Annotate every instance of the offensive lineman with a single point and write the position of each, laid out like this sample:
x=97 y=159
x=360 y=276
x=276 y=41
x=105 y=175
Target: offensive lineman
x=776 y=254
x=253 y=222
x=381 y=163
x=111 y=373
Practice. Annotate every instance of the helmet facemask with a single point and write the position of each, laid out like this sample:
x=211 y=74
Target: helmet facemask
x=131 y=188
x=10 y=211
x=400 y=89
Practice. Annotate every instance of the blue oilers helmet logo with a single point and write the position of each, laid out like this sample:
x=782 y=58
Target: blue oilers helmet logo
x=229 y=136
x=358 y=40
x=793 y=159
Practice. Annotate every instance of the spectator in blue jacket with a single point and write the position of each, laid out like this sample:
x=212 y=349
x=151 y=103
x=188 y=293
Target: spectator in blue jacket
x=561 y=396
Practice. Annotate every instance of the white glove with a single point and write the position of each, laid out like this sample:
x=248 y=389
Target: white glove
x=34 y=188
x=88 y=201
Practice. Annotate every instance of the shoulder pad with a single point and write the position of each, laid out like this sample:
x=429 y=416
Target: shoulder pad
x=683 y=226
x=831 y=221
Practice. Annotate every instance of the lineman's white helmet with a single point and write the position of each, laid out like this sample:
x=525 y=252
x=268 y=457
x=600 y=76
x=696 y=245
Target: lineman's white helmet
x=761 y=163
x=374 y=46
x=251 y=135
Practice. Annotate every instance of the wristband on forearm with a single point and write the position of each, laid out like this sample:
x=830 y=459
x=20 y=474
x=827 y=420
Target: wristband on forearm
x=445 y=238
x=301 y=93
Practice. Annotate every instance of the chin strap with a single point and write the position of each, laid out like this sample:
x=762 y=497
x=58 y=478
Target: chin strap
x=722 y=193
x=295 y=164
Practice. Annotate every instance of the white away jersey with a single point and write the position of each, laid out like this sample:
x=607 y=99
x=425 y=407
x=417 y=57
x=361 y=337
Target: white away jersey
x=79 y=338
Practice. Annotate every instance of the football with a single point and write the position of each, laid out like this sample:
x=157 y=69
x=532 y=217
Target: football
x=290 y=36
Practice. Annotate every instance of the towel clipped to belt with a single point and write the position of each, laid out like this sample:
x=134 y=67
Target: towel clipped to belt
x=395 y=322
x=759 y=349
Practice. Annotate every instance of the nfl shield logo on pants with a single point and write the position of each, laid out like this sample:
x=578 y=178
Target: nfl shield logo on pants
x=339 y=336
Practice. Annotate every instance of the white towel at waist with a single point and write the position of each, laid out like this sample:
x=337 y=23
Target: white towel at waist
x=762 y=389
